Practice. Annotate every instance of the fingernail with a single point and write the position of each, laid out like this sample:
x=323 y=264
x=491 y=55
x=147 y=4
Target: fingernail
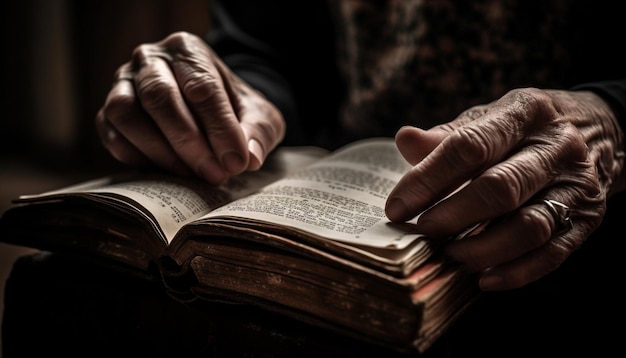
x=233 y=162
x=396 y=210
x=425 y=225
x=490 y=282
x=257 y=154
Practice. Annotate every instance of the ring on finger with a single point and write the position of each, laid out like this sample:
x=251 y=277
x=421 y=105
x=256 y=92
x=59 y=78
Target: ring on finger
x=561 y=215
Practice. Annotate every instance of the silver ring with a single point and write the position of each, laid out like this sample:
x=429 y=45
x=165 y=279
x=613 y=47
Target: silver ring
x=561 y=214
x=125 y=75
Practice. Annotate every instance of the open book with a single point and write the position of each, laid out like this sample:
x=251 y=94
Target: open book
x=306 y=236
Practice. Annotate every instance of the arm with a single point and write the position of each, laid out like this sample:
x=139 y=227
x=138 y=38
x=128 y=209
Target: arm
x=286 y=50
x=257 y=59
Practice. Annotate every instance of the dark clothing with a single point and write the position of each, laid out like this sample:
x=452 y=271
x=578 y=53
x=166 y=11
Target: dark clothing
x=341 y=70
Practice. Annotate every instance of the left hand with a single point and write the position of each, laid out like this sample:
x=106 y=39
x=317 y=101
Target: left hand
x=177 y=106
x=531 y=145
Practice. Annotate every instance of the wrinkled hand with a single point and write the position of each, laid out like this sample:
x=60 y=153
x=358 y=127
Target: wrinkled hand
x=528 y=146
x=177 y=106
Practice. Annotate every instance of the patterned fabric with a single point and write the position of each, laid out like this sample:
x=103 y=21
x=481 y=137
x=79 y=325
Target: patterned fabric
x=422 y=62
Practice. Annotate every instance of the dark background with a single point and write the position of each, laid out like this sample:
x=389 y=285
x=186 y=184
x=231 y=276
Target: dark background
x=59 y=57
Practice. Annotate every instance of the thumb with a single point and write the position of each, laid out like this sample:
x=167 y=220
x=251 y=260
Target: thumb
x=415 y=143
x=263 y=130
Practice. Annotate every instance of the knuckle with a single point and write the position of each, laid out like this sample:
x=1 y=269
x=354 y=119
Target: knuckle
x=140 y=54
x=474 y=112
x=501 y=191
x=177 y=39
x=271 y=126
x=574 y=144
x=468 y=147
x=201 y=87
x=530 y=106
x=538 y=226
x=529 y=98
x=117 y=108
x=156 y=92
x=183 y=45
x=181 y=139
x=222 y=129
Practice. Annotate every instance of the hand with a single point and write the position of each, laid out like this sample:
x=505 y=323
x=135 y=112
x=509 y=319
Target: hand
x=528 y=146
x=177 y=106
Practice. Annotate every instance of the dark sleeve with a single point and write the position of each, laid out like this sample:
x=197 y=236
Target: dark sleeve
x=284 y=49
x=614 y=92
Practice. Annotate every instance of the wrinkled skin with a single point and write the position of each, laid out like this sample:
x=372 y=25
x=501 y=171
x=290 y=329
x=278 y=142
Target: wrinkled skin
x=528 y=146
x=177 y=106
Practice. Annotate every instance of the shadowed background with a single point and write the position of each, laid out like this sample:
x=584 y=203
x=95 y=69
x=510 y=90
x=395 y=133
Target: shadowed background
x=59 y=59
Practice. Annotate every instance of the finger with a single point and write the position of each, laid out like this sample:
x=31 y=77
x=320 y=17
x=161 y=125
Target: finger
x=538 y=164
x=262 y=140
x=160 y=97
x=482 y=140
x=119 y=147
x=518 y=250
x=461 y=156
x=523 y=270
x=534 y=240
x=415 y=143
x=504 y=240
x=500 y=189
x=133 y=132
x=263 y=126
x=212 y=98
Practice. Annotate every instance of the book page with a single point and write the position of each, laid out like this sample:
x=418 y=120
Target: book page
x=170 y=202
x=341 y=197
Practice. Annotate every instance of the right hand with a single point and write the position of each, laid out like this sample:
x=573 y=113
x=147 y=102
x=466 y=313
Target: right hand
x=176 y=105
x=528 y=146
